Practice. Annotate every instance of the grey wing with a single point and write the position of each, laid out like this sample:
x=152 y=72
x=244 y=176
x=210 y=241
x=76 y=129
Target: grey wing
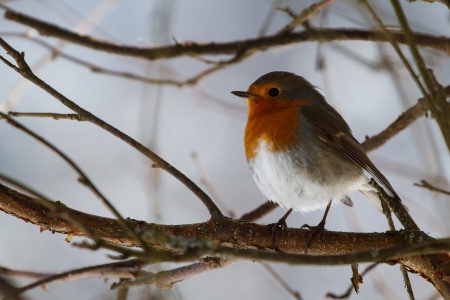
x=332 y=129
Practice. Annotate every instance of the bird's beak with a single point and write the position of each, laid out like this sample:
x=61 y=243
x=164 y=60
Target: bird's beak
x=243 y=94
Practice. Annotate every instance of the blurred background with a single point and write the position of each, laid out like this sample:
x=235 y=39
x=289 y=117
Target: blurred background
x=199 y=130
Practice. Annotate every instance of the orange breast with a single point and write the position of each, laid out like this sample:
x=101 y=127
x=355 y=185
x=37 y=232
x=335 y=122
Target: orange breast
x=274 y=122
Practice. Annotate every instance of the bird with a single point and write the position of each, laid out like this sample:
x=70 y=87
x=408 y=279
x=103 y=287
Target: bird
x=301 y=151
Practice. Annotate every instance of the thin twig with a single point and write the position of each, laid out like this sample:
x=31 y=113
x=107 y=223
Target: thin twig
x=403 y=121
x=392 y=40
x=83 y=177
x=61 y=211
x=356 y=278
x=27 y=73
x=210 y=187
x=412 y=44
x=167 y=278
x=397 y=207
x=445 y=2
x=407 y=282
x=436 y=99
x=259 y=212
x=8 y=290
x=122 y=294
x=56 y=116
x=123 y=269
x=425 y=184
x=387 y=212
x=23 y=274
x=240 y=56
x=269 y=18
x=193 y=49
x=307 y=14
x=350 y=289
x=293 y=293
x=97 y=68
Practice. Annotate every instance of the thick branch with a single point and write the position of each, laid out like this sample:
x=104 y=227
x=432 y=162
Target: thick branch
x=232 y=48
x=231 y=232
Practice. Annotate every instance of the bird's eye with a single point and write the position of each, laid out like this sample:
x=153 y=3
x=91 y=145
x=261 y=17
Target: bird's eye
x=273 y=92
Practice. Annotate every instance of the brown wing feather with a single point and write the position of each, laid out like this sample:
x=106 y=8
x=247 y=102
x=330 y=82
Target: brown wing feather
x=355 y=151
x=333 y=130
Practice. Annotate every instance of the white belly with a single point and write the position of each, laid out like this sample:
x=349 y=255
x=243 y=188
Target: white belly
x=291 y=185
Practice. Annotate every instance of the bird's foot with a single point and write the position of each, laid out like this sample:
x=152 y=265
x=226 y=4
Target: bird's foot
x=281 y=225
x=315 y=231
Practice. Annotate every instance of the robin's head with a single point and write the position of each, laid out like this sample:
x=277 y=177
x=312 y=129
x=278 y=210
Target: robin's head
x=279 y=87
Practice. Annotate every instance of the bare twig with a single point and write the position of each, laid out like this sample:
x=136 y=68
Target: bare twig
x=439 y=107
x=425 y=184
x=168 y=278
x=387 y=203
x=403 y=121
x=350 y=289
x=436 y=98
x=83 y=177
x=233 y=48
x=394 y=43
x=306 y=15
x=123 y=269
x=55 y=207
x=122 y=294
x=410 y=40
x=210 y=186
x=259 y=212
x=97 y=68
x=371 y=143
x=397 y=207
x=293 y=293
x=27 y=73
x=55 y=116
x=356 y=278
x=9 y=290
x=23 y=274
x=407 y=282
x=445 y=2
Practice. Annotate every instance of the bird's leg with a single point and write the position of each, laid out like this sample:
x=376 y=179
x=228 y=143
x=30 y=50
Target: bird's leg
x=280 y=224
x=316 y=230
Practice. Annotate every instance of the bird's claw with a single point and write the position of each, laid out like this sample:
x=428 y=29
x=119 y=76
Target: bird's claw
x=315 y=231
x=281 y=225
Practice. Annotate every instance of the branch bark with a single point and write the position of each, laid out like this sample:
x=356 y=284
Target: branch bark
x=238 y=234
x=233 y=48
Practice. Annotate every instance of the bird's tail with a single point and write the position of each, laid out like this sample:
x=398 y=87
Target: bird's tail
x=370 y=193
x=374 y=199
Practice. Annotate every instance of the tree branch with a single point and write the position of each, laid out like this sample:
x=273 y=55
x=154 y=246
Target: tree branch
x=83 y=176
x=426 y=185
x=246 y=236
x=403 y=121
x=232 y=48
x=26 y=72
x=435 y=96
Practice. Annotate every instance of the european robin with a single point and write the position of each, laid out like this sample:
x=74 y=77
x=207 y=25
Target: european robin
x=301 y=151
